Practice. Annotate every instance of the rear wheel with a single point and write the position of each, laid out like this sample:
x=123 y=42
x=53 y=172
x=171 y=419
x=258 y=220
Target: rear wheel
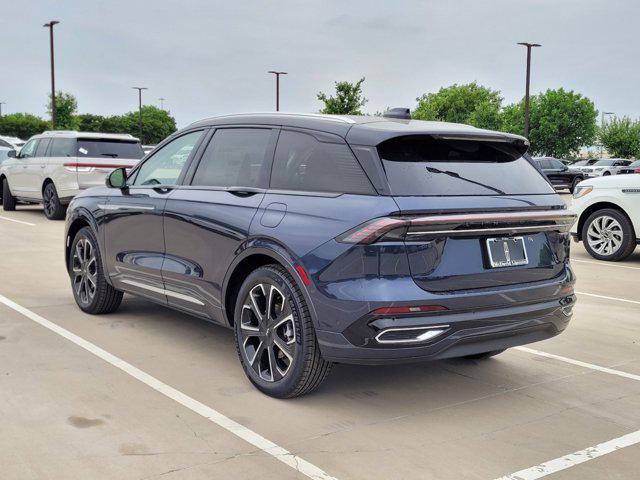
x=8 y=201
x=574 y=184
x=483 y=355
x=275 y=338
x=608 y=235
x=92 y=292
x=53 y=209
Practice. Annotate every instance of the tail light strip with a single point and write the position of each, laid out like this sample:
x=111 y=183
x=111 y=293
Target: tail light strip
x=463 y=225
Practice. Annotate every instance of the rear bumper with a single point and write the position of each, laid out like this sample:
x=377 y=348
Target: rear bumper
x=546 y=312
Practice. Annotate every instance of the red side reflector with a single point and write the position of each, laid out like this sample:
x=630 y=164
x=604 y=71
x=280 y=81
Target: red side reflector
x=303 y=275
x=405 y=310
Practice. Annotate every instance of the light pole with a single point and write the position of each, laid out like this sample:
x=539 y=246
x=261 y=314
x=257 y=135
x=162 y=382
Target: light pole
x=2 y=103
x=602 y=115
x=526 y=94
x=162 y=103
x=53 y=75
x=140 y=89
x=277 y=74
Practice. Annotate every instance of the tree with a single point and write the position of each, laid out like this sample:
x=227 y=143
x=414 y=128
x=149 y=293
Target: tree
x=66 y=107
x=157 y=124
x=22 y=125
x=348 y=100
x=471 y=104
x=621 y=137
x=560 y=122
x=88 y=122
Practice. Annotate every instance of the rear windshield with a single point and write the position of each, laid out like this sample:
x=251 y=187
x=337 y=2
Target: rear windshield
x=109 y=149
x=422 y=165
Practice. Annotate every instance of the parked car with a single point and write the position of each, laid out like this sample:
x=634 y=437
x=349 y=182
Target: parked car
x=631 y=168
x=5 y=153
x=324 y=239
x=582 y=163
x=608 y=211
x=14 y=143
x=605 y=167
x=560 y=176
x=55 y=166
x=147 y=148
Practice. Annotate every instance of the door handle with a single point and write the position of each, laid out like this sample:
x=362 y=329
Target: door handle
x=244 y=191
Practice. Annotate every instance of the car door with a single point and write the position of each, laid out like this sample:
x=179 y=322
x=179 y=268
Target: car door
x=208 y=220
x=17 y=173
x=133 y=222
x=35 y=171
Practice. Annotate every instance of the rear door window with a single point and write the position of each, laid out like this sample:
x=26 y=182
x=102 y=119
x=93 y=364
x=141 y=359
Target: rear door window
x=423 y=165
x=235 y=157
x=304 y=163
x=41 y=149
x=108 y=148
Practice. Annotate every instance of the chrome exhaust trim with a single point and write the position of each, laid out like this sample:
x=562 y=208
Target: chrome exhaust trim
x=428 y=333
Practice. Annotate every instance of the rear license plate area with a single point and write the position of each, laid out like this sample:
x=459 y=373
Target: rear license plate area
x=506 y=252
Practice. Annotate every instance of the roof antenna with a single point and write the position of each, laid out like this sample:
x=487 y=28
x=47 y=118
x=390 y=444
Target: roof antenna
x=400 y=112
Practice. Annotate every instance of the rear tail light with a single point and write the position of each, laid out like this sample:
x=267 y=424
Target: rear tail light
x=87 y=167
x=472 y=224
x=408 y=310
x=636 y=170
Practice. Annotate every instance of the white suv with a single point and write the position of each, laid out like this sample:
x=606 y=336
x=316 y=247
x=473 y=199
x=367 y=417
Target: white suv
x=53 y=167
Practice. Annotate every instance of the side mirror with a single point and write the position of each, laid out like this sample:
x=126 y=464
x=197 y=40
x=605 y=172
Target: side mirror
x=117 y=178
x=11 y=154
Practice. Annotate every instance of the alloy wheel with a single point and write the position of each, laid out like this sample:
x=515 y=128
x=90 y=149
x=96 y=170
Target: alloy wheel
x=85 y=271
x=49 y=201
x=268 y=332
x=605 y=235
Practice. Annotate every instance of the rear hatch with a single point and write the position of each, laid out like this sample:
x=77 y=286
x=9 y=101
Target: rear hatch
x=476 y=213
x=107 y=153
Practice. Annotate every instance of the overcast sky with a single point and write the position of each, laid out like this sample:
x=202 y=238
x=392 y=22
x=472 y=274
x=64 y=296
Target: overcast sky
x=208 y=57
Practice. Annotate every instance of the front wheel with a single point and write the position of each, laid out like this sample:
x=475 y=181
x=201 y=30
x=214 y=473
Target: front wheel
x=53 y=209
x=608 y=235
x=275 y=338
x=8 y=201
x=91 y=291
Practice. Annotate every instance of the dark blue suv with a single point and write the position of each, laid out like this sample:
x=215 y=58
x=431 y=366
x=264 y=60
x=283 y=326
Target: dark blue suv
x=324 y=239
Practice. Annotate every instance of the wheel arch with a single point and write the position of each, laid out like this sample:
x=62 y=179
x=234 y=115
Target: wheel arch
x=594 y=208
x=46 y=182
x=79 y=220
x=257 y=254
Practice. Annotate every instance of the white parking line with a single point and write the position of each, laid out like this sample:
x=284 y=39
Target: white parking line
x=605 y=297
x=605 y=264
x=580 y=363
x=576 y=458
x=17 y=221
x=255 y=439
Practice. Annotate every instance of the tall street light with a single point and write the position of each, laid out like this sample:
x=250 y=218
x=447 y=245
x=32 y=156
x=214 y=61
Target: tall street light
x=526 y=95
x=602 y=115
x=2 y=103
x=277 y=74
x=140 y=89
x=162 y=99
x=53 y=75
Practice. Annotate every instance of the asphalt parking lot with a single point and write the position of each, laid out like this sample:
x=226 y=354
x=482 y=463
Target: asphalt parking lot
x=151 y=393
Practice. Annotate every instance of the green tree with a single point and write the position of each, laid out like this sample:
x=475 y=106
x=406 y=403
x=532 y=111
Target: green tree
x=621 y=137
x=560 y=122
x=88 y=122
x=471 y=104
x=347 y=101
x=22 y=125
x=66 y=107
x=157 y=124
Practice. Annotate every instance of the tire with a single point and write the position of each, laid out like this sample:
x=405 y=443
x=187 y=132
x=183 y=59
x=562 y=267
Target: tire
x=277 y=347
x=574 y=184
x=53 y=209
x=606 y=173
x=8 y=201
x=618 y=240
x=485 y=355
x=91 y=291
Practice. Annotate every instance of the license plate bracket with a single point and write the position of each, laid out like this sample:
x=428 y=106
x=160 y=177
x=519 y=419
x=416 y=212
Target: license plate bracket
x=506 y=252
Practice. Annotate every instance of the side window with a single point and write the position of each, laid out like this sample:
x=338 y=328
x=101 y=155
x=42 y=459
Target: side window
x=557 y=164
x=41 y=149
x=166 y=164
x=29 y=149
x=235 y=157
x=62 y=147
x=303 y=163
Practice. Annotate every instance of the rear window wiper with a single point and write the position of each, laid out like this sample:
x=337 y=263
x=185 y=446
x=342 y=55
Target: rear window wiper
x=456 y=175
x=112 y=155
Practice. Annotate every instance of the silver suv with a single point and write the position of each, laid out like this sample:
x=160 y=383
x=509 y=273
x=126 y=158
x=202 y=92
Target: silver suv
x=53 y=167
